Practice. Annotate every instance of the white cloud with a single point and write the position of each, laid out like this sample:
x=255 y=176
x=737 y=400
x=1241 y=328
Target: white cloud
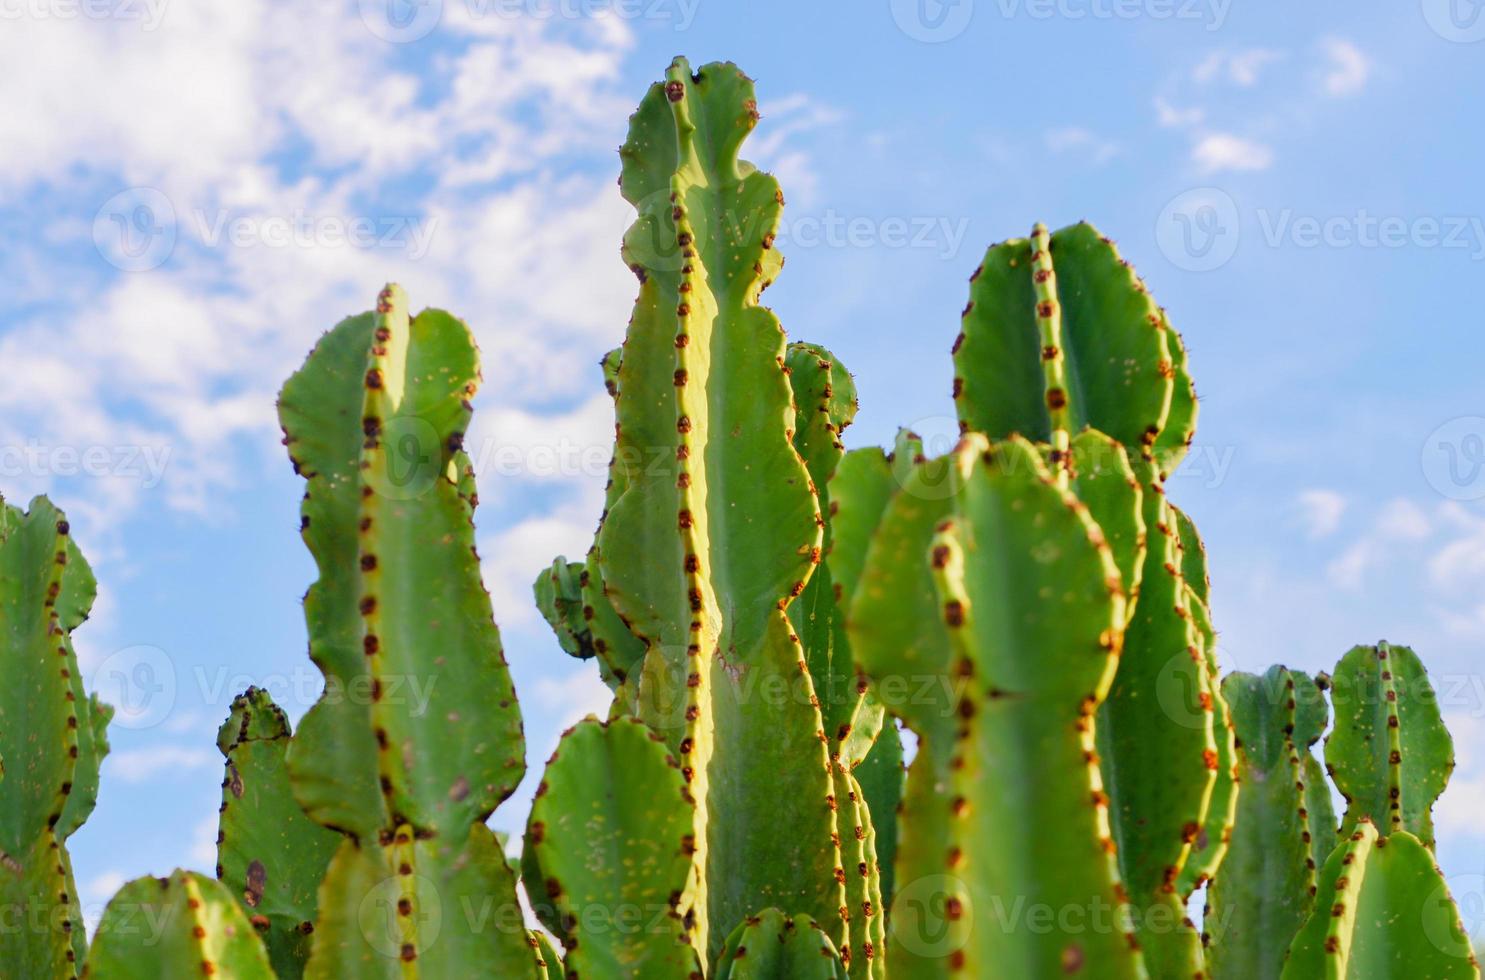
x=1241 y=68
x=513 y=557
x=1075 y=139
x=1403 y=520
x=1321 y=511
x=1349 y=569
x=571 y=699
x=1224 y=151
x=1347 y=68
x=100 y=887
x=1457 y=813
x=142 y=765
x=1171 y=117
x=1459 y=564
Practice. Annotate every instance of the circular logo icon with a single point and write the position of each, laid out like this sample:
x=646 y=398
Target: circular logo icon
x=933 y=21
x=932 y=439
x=139 y=682
x=1458 y=21
x=650 y=237
x=395 y=903
x=413 y=459
x=931 y=916
x=1198 y=230
x=663 y=706
x=401 y=21
x=1449 y=934
x=1178 y=691
x=1454 y=458
x=135 y=230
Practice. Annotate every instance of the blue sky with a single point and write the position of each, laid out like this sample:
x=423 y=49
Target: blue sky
x=1298 y=184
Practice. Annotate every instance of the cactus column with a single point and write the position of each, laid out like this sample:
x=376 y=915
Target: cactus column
x=418 y=736
x=52 y=739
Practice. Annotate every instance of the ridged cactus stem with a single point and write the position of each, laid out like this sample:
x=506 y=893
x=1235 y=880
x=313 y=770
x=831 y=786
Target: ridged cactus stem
x=409 y=774
x=1054 y=362
x=52 y=739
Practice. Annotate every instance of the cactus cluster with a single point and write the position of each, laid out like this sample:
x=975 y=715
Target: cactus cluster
x=774 y=615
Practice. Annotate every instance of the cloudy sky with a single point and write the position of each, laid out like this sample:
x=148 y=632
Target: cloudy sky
x=193 y=192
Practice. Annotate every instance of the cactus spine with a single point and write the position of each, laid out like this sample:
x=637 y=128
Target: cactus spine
x=52 y=738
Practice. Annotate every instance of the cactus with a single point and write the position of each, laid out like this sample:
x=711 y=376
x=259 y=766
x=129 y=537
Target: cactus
x=1060 y=337
x=773 y=946
x=52 y=739
x=186 y=925
x=1382 y=911
x=1265 y=890
x=767 y=609
x=269 y=854
x=572 y=599
x=699 y=581
x=1390 y=754
x=979 y=557
x=418 y=736
x=616 y=862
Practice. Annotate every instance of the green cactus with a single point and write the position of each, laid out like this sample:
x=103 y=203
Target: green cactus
x=270 y=855
x=773 y=946
x=1382 y=911
x=548 y=960
x=186 y=925
x=52 y=739
x=1390 y=754
x=418 y=736
x=1060 y=339
x=978 y=558
x=1265 y=889
x=1209 y=847
x=611 y=832
x=712 y=527
x=572 y=598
